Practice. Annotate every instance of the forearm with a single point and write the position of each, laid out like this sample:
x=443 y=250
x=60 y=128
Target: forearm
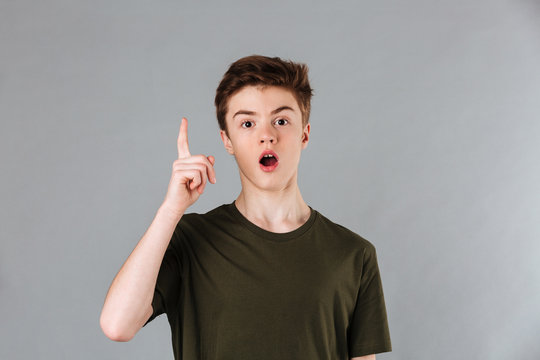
x=132 y=290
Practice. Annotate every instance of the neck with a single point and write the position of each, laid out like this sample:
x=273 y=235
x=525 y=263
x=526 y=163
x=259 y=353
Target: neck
x=277 y=210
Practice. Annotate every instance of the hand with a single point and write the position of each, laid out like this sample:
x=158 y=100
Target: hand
x=189 y=175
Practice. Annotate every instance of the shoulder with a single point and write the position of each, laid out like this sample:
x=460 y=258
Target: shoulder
x=194 y=216
x=344 y=234
x=202 y=222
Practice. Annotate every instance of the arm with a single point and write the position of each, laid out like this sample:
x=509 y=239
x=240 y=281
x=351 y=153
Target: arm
x=367 y=357
x=128 y=304
x=128 y=301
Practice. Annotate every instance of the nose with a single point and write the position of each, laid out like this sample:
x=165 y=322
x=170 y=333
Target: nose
x=268 y=134
x=270 y=139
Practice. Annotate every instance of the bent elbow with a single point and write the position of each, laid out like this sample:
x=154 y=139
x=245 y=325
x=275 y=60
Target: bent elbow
x=113 y=332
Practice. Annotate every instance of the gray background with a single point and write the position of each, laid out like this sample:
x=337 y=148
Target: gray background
x=425 y=141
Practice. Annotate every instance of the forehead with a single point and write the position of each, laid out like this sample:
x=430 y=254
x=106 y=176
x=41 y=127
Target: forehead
x=262 y=99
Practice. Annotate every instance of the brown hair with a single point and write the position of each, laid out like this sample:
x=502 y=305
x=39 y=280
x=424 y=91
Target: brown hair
x=264 y=71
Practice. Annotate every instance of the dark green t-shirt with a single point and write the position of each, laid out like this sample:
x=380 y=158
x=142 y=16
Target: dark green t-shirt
x=232 y=290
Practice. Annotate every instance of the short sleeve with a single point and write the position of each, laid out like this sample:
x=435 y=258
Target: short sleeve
x=369 y=332
x=167 y=290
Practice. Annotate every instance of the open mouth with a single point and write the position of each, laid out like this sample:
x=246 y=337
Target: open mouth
x=268 y=160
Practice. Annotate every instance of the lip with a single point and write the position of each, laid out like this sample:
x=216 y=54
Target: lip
x=268 y=168
x=268 y=152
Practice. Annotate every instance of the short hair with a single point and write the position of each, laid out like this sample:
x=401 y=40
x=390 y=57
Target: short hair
x=258 y=70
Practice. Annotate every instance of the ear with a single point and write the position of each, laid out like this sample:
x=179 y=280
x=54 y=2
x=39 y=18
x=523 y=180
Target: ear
x=226 y=142
x=305 y=135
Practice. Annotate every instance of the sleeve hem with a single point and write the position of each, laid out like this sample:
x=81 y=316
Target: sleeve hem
x=371 y=349
x=155 y=313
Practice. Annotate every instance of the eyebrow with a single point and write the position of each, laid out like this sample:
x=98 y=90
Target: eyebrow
x=248 y=112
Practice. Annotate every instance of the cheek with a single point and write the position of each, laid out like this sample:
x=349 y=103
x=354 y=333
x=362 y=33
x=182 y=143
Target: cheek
x=245 y=157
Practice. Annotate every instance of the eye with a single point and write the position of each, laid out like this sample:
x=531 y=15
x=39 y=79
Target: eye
x=246 y=122
x=283 y=120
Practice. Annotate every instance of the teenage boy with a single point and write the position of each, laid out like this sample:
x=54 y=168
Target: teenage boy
x=265 y=276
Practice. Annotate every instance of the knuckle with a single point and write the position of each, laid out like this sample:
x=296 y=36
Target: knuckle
x=178 y=162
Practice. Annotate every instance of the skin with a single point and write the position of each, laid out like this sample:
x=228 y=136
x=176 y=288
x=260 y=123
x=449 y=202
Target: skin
x=128 y=303
x=271 y=200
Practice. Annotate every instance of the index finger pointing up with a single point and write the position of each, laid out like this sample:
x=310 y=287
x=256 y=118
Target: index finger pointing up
x=183 y=148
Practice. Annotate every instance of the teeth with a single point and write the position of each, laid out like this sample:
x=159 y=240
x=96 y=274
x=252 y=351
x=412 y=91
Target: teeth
x=268 y=155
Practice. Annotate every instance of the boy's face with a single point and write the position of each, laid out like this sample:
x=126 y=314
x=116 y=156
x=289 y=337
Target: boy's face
x=265 y=119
